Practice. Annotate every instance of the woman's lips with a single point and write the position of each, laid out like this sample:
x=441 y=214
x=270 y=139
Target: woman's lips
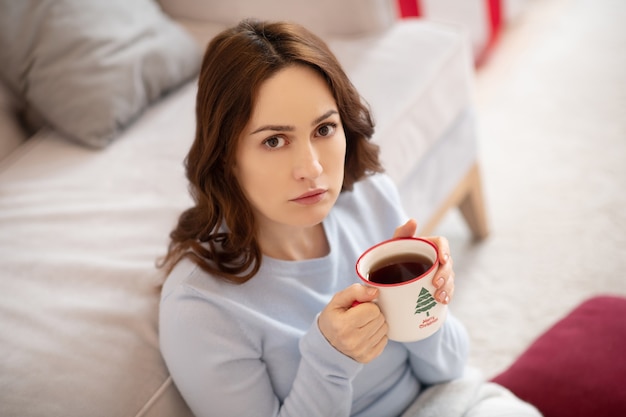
x=310 y=197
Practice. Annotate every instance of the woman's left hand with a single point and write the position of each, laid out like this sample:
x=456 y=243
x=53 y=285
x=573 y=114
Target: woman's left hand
x=444 y=277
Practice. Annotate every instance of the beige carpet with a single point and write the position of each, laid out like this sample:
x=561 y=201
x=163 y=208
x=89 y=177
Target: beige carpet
x=552 y=114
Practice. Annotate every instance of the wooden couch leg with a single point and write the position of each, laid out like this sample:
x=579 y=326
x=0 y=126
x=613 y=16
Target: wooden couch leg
x=468 y=197
x=472 y=205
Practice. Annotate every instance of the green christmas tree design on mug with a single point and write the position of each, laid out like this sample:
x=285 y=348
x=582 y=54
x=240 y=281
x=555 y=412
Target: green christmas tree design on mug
x=425 y=302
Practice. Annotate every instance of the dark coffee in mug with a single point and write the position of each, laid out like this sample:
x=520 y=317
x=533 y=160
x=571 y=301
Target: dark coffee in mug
x=399 y=268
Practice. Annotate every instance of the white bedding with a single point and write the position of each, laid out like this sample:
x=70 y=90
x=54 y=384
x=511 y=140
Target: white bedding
x=79 y=233
x=80 y=230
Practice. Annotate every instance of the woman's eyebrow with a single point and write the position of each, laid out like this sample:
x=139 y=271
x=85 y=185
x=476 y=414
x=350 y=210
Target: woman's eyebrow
x=324 y=116
x=286 y=128
x=275 y=128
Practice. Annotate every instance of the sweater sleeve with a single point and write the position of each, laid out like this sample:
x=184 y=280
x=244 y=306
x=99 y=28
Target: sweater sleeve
x=442 y=356
x=219 y=369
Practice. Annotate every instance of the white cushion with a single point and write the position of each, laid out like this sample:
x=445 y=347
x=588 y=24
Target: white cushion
x=417 y=78
x=469 y=16
x=90 y=68
x=324 y=17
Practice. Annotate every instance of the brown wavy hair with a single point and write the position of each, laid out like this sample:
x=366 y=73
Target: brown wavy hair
x=219 y=232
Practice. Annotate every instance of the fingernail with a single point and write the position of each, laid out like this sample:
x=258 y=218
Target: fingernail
x=445 y=257
x=443 y=296
x=371 y=290
x=439 y=282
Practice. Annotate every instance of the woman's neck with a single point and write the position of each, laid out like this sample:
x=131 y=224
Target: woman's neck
x=294 y=244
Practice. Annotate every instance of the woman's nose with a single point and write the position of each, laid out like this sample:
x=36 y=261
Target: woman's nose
x=307 y=164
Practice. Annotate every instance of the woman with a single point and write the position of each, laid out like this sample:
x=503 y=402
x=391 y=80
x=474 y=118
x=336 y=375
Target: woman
x=257 y=315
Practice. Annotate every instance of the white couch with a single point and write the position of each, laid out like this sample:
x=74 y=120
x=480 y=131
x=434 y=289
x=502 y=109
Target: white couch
x=88 y=200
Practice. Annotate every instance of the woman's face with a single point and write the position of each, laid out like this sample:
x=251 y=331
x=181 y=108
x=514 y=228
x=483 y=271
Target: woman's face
x=290 y=157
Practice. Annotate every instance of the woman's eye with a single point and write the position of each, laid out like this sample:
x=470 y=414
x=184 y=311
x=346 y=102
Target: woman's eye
x=274 y=142
x=327 y=129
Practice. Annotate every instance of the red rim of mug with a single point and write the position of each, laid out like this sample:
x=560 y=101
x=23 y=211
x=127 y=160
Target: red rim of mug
x=376 y=284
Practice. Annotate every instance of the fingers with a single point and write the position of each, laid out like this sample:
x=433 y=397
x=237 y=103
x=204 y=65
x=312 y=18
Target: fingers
x=408 y=229
x=374 y=346
x=364 y=343
x=359 y=332
x=444 y=277
x=353 y=295
x=445 y=287
x=443 y=247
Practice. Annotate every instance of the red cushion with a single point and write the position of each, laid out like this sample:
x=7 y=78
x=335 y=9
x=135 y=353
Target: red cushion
x=577 y=367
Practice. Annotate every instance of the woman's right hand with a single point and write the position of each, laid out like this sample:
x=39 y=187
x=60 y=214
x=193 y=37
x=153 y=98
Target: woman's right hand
x=359 y=331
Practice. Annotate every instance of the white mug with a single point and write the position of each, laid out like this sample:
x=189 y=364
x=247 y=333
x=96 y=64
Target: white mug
x=409 y=306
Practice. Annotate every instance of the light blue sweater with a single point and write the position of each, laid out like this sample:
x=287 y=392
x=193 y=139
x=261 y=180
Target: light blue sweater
x=255 y=349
